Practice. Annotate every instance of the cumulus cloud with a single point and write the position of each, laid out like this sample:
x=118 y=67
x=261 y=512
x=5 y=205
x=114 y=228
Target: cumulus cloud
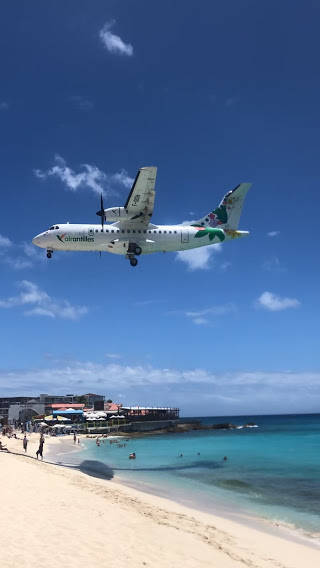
x=198 y=390
x=273 y=233
x=37 y=302
x=274 y=303
x=90 y=177
x=199 y=258
x=113 y=43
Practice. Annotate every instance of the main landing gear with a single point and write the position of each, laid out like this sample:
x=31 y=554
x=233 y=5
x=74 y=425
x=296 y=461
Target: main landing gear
x=49 y=253
x=133 y=250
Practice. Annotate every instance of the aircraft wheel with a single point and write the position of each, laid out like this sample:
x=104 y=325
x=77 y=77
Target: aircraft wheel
x=138 y=250
x=49 y=254
x=133 y=261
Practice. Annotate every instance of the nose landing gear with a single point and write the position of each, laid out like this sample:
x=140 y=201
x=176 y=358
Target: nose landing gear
x=49 y=253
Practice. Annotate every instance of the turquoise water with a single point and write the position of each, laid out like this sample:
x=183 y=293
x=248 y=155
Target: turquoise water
x=272 y=470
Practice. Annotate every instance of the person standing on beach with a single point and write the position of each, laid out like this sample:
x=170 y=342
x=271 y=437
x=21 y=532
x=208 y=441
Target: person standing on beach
x=25 y=442
x=39 y=452
x=74 y=438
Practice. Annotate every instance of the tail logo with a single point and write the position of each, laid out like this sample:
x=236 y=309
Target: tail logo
x=212 y=233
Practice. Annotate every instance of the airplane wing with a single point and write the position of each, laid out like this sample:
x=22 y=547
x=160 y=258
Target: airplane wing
x=140 y=201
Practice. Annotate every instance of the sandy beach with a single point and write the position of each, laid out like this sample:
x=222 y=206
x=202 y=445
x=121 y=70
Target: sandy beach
x=51 y=514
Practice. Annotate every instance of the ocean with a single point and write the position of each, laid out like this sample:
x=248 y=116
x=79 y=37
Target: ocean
x=271 y=471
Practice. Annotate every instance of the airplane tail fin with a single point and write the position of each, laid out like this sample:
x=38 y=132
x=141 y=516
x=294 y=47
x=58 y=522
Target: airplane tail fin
x=227 y=214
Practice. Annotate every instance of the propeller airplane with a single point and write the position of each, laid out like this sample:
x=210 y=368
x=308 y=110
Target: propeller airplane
x=130 y=233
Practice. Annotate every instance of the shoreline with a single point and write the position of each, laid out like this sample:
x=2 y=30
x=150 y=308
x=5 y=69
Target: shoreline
x=63 y=446
x=201 y=537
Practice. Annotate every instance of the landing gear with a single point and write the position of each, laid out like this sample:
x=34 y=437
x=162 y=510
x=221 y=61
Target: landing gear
x=133 y=250
x=49 y=253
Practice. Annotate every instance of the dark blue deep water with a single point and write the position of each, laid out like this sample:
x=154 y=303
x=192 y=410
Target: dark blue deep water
x=272 y=470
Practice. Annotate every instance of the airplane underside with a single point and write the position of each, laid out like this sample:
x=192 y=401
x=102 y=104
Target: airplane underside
x=130 y=233
x=128 y=249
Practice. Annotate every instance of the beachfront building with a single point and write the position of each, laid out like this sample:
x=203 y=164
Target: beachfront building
x=146 y=413
x=92 y=400
x=24 y=408
x=7 y=402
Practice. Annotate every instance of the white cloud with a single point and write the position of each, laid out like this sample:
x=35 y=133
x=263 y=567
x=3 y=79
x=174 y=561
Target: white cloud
x=5 y=242
x=208 y=315
x=38 y=302
x=273 y=233
x=113 y=43
x=4 y=105
x=91 y=177
x=197 y=390
x=199 y=258
x=122 y=178
x=19 y=256
x=113 y=355
x=18 y=262
x=274 y=303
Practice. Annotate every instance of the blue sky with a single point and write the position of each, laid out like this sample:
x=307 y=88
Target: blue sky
x=213 y=97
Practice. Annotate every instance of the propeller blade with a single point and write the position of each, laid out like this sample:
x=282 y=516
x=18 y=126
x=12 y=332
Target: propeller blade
x=101 y=212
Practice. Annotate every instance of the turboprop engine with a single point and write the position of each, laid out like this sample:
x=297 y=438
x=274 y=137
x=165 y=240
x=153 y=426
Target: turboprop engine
x=114 y=214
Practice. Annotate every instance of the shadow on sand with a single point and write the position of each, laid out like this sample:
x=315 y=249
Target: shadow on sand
x=96 y=469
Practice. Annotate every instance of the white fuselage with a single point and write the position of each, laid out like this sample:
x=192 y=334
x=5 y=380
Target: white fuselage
x=115 y=239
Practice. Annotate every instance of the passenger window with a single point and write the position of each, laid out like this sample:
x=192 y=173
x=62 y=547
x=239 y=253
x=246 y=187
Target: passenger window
x=175 y=231
x=144 y=231
x=133 y=230
x=159 y=232
x=149 y=232
x=96 y=230
x=128 y=230
x=112 y=231
x=164 y=231
x=101 y=230
x=139 y=231
x=118 y=231
x=123 y=231
x=107 y=230
x=154 y=231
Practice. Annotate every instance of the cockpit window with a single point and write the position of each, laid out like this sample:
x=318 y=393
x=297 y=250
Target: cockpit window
x=56 y=227
x=51 y=228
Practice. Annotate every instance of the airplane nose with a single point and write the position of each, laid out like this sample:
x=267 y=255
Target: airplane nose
x=37 y=240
